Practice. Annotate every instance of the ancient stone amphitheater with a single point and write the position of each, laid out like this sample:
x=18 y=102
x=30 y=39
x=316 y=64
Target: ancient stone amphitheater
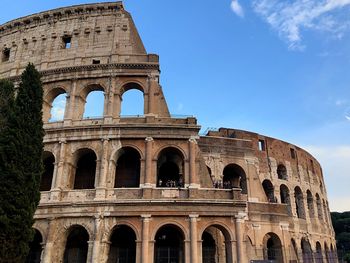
x=148 y=188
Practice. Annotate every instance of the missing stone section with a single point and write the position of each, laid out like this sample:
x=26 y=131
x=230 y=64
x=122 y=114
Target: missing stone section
x=96 y=61
x=6 y=54
x=67 y=42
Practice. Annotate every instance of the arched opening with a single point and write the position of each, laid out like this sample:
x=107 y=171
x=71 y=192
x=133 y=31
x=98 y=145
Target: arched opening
x=169 y=245
x=285 y=197
x=77 y=245
x=35 y=248
x=282 y=172
x=333 y=255
x=310 y=204
x=318 y=255
x=319 y=207
x=127 y=173
x=46 y=177
x=132 y=100
x=326 y=250
x=94 y=105
x=123 y=245
x=235 y=177
x=269 y=191
x=273 y=248
x=325 y=211
x=299 y=202
x=170 y=167
x=58 y=106
x=215 y=245
x=208 y=248
x=85 y=170
x=306 y=251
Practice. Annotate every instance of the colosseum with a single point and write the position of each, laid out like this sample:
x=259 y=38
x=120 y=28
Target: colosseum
x=149 y=188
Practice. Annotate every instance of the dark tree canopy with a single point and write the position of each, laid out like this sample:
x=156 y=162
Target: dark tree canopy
x=21 y=149
x=341 y=225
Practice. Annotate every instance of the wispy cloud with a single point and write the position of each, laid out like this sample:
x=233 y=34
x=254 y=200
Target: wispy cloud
x=58 y=108
x=290 y=18
x=237 y=8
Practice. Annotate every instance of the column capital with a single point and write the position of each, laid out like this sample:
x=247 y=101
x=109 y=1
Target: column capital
x=62 y=141
x=193 y=216
x=241 y=216
x=193 y=139
x=149 y=139
x=146 y=217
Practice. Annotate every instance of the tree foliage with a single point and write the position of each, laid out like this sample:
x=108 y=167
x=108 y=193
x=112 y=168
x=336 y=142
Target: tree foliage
x=21 y=149
x=341 y=225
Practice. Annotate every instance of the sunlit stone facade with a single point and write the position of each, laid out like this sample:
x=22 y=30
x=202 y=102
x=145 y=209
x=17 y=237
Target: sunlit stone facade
x=149 y=188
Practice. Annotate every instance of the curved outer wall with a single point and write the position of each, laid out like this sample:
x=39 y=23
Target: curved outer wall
x=245 y=190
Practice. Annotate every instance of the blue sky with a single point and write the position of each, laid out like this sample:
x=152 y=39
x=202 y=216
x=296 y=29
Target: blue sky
x=279 y=68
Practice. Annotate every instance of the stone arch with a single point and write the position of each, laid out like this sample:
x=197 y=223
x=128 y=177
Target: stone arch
x=282 y=172
x=184 y=229
x=85 y=171
x=299 y=202
x=216 y=244
x=137 y=93
x=306 y=250
x=310 y=204
x=285 y=197
x=327 y=252
x=319 y=207
x=131 y=84
x=318 y=253
x=128 y=168
x=170 y=168
x=76 y=245
x=325 y=211
x=47 y=175
x=272 y=247
x=169 y=244
x=35 y=248
x=81 y=106
x=234 y=176
x=122 y=244
x=109 y=231
x=269 y=191
x=49 y=104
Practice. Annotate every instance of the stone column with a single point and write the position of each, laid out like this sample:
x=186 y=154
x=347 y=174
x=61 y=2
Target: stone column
x=101 y=184
x=90 y=251
x=148 y=165
x=97 y=241
x=239 y=221
x=69 y=115
x=194 y=238
x=110 y=100
x=59 y=174
x=116 y=108
x=145 y=239
x=152 y=82
x=47 y=253
x=192 y=156
x=285 y=252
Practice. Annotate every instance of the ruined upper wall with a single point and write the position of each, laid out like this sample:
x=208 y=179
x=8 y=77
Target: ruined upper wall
x=72 y=36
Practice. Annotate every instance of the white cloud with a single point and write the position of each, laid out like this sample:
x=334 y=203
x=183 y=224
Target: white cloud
x=335 y=161
x=58 y=108
x=237 y=8
x=290 y=18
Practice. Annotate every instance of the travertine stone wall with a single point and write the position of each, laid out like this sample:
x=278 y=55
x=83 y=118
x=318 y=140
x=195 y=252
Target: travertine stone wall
x=96 y=47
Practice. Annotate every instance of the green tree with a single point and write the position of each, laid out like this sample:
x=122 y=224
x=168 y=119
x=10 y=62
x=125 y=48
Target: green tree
x=6 y=101
x=21 y=149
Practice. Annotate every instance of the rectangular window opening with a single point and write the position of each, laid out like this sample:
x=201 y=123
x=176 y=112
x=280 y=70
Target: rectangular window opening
x=6 y=54
x=292 y=153
x=67 y=42
x=96 y=61
x=261 y=145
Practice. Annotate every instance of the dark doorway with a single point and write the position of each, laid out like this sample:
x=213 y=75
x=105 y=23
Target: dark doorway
x=169 y=245
x=234 y=177
x=127 y=172
x=85 y=171
x=77 y=246
x=208 y=248
x=170 y=168
x=123 y=246
x=46 y=177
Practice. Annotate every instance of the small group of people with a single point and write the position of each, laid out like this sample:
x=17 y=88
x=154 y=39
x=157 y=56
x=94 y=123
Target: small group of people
x=223 y=184
x=170 y=183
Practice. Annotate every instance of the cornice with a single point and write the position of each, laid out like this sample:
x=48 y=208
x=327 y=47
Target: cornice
x=75 y=69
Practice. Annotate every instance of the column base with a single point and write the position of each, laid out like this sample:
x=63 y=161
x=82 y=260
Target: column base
x=100 y=194
x=55 y=195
